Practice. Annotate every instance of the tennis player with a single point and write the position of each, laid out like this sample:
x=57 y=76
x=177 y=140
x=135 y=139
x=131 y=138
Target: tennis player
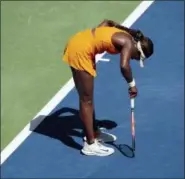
x=80 y=53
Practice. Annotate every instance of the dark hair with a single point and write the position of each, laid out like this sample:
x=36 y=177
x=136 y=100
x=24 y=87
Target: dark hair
x=147 y=46
x=138 y=36
x=146 y=43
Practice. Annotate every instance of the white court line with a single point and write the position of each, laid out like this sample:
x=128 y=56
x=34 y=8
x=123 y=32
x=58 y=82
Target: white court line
x=61 y=94
x=104 y=60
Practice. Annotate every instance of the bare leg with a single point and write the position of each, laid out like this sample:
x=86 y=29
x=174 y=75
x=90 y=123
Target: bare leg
x=84 y=83
x=95 y=125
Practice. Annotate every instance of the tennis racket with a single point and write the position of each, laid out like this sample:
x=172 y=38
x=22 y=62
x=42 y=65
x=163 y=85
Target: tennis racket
x=133 y=123
x=129 y=151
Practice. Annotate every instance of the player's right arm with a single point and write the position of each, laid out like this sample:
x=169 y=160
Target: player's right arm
x=125 y=44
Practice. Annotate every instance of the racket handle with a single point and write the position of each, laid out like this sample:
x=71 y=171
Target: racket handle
x=132 y=103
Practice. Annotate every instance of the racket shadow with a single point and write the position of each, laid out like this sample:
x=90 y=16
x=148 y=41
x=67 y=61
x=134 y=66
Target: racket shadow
x=124 y=149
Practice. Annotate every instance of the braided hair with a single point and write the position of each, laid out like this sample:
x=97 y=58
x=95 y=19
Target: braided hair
x=146 y=43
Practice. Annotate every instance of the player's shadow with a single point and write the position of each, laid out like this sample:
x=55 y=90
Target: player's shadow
x=65 y=127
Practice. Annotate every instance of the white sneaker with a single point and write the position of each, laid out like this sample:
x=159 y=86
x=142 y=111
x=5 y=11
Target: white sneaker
x=96 y=149
x=104 y=137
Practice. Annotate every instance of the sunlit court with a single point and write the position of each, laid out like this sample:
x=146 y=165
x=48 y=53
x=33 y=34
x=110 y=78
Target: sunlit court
x=41 y=129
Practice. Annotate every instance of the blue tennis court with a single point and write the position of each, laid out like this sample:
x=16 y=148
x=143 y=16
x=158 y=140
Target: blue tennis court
x=53 y=149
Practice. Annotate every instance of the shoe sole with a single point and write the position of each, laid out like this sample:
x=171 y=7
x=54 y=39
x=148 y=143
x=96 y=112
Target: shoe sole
x=96 y=154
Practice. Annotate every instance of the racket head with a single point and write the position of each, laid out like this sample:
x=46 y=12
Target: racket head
x=126 y=150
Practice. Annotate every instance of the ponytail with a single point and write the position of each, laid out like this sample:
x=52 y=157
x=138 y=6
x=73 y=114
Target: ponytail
x=136 y=34
x=146 y=43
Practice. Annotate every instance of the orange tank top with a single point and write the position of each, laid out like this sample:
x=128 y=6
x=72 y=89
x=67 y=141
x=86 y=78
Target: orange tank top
x=102 y=39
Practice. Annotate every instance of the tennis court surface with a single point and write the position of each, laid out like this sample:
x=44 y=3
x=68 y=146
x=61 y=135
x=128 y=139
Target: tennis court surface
x=52 y=150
